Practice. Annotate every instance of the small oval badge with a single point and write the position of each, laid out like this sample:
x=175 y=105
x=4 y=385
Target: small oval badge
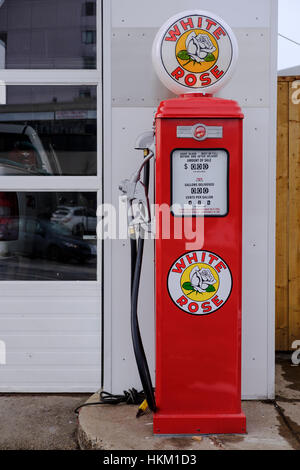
x=199 y=132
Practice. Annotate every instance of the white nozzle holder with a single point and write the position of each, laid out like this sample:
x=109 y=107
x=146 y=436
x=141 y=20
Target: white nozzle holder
x=145 y=141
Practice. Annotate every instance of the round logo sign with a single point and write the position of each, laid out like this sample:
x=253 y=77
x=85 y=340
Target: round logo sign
x=199 y=282
x=195 y=51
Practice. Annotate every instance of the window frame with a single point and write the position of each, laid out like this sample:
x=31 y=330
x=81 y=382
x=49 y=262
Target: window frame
x=65 y=77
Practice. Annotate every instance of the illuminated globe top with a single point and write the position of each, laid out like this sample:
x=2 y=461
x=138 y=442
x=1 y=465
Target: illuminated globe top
x=195 y=52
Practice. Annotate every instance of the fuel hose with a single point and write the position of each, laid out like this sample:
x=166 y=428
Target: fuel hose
x=137 y=251
x=132 y=396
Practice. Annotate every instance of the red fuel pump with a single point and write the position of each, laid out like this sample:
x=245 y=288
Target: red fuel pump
x=198 y=293
x=198 y=174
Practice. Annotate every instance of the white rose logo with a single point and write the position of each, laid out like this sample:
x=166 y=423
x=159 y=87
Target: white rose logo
x=202 y=279
x=199 y=48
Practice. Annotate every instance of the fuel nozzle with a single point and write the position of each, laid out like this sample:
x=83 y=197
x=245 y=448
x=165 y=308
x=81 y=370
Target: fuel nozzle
x=134 y=188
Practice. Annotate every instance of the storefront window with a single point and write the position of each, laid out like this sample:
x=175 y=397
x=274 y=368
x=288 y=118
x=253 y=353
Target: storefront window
x=49 y=130
x=47 y=34
x=48 y=236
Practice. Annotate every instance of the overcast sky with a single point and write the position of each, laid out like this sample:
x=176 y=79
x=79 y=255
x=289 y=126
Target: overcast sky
x=289 y=25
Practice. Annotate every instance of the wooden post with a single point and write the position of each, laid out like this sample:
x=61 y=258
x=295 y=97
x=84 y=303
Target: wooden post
x=294 y=215
x=288 y=214
x=282 y=238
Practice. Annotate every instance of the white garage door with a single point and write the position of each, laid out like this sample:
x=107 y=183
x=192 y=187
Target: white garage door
x=50 y=180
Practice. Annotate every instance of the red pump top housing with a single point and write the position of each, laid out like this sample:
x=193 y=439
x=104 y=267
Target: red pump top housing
x=195 y=105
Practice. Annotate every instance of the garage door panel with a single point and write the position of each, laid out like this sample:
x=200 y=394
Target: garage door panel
x=45 y=379
x=19 y=324
x=86 y=340
x=50 y=307
x=51 y=359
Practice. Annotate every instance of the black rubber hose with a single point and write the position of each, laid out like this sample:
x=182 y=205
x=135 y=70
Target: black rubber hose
x=133 y=253
x=138 y=347
x=146 y=176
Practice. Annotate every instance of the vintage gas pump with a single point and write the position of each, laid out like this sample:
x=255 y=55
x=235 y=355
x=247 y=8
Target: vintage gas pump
x=198 y=174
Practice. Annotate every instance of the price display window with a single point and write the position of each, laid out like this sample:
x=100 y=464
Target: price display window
x=200 y=182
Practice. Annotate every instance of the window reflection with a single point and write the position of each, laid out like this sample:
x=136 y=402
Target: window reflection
x=89 y=8
x=44 y=34
x=48 y=130
x=48 y=236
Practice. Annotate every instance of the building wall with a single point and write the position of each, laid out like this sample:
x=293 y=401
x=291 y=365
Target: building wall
x=132 y=93
x=46 y=34
x=53 y=329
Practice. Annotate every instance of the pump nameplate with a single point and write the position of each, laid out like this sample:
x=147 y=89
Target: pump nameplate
x=200 y=132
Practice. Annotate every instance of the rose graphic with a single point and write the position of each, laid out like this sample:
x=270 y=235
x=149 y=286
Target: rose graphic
x=201 y=280
x=199 y=48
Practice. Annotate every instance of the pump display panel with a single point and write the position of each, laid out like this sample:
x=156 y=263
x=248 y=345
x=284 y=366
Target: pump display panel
x=200 y=182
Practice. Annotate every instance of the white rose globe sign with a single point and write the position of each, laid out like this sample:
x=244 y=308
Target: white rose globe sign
x=195 y=52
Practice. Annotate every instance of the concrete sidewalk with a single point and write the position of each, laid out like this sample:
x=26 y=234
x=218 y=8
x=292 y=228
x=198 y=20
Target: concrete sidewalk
x=271 y=425
x=39 y=422
x=48 y=422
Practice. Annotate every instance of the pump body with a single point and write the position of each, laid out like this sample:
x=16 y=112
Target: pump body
x=198 y=292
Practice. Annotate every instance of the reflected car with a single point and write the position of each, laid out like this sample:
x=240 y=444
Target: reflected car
x=79 y=220
x=9 y=207
x=22 y=152
x=43 y=238
x=13 y=206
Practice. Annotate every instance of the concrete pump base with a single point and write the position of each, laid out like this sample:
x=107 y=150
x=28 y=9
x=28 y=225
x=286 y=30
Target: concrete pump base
x=270 y=425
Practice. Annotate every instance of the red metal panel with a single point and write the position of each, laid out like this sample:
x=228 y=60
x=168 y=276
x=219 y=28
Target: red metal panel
x=193 y=105
x=198 y=357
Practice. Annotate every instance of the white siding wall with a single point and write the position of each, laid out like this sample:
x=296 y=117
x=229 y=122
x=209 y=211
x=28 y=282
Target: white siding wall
x=134 y=94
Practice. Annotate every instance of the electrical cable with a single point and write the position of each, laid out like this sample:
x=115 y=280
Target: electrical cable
x=130 y=397
x=289 y=39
